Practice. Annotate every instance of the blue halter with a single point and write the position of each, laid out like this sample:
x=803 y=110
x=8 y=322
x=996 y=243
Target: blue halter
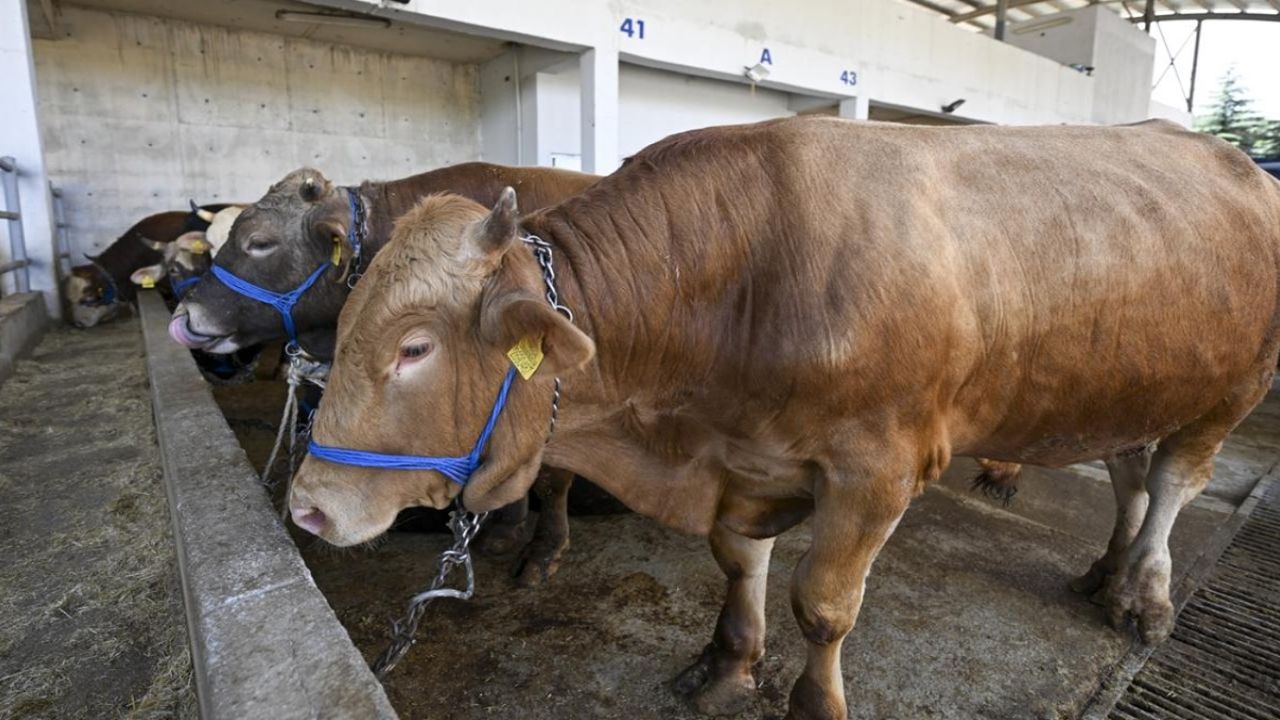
x=180 y=288
x=457 y=469
x=282 y=302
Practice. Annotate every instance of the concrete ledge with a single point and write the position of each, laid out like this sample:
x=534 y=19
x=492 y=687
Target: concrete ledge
x=264 y=641
x=22 y=324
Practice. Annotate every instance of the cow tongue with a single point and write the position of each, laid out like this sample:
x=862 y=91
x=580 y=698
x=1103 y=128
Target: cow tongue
x=181 y=333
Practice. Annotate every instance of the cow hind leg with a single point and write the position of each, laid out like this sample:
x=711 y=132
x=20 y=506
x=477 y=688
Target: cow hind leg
x=851 y=522
x=1180 y=469
x=721 y=681
x=1128 y=478
x=541 y=557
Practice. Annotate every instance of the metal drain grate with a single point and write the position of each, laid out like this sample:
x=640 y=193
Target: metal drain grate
x=1223 y=660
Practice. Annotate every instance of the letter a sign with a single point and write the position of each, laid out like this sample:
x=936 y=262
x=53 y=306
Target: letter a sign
x=766 y=57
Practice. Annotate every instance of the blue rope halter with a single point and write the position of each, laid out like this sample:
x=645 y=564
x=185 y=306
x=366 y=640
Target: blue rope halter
x=111 y=294
x=180 y=288
x=282 y=302
x=457 y=469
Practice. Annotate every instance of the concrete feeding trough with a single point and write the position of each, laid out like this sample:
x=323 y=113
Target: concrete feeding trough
x=264 y=641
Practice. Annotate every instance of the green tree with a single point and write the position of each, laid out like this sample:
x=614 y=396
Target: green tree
x=1267 y=140
x=1231 y=116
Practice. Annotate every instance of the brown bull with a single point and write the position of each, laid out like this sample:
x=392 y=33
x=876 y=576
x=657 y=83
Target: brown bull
x=809 y=318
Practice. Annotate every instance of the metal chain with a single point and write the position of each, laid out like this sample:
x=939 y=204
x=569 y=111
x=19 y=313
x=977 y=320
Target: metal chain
x=545 y=257
x=464 y=525
x=362 y=235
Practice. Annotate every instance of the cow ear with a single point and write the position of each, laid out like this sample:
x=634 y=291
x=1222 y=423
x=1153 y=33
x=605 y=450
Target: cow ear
x=498 y=231
x=511 y=318
x=147 y=276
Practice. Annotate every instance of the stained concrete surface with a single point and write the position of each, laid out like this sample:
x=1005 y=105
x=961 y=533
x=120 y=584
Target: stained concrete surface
x=967 y=613
x=90 y=624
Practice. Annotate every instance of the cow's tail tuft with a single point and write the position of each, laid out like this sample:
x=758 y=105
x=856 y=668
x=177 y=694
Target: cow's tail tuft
x=998 y=480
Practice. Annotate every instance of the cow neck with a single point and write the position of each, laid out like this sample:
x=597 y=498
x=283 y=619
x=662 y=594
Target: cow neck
x=382 y=205
x=610 y=285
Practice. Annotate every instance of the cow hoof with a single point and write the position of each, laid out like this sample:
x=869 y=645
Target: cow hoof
x=497 y=540
x=725 y=695
x=694 y=676
x=538 y=563
x=1143 y=595
x=1093 y=581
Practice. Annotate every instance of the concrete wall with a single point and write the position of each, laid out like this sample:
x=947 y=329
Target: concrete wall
x=140 y=113
x=652 y=105
x=1120 y=54
x=903 y=55
x=20 y=132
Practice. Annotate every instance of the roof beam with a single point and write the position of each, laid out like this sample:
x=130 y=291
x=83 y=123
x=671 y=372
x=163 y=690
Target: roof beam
x=1272 y=17
x=934 y=7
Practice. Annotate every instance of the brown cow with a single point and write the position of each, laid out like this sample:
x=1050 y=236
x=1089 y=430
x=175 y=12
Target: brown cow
x=808 y=318
x=281 y=239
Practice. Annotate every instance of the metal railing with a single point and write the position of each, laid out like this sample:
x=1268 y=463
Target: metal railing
x=18 y=262
x=62 y=243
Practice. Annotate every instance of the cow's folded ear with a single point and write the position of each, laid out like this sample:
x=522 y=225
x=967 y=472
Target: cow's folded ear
x=147 y=276
x=513 y=317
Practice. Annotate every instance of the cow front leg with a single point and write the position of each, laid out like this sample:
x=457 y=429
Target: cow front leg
x=541 y=557
x=853 y=517
x=505 y=529
x=1128 y=479
x=721 y=681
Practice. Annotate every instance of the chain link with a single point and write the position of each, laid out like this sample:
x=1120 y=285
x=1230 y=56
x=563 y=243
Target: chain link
x=362 y=234
x=545 y=257
x=464 y=525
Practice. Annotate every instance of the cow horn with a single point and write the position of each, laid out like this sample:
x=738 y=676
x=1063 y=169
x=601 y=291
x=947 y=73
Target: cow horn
x=194 y=206
x=153 y=244
x=205 y=215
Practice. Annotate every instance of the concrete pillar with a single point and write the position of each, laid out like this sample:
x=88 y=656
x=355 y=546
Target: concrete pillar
x=599 y=77
x=855 y=108
x=20 y=137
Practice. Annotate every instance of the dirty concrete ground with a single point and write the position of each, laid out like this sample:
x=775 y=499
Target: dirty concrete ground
x=90 y=619
x=967 y=611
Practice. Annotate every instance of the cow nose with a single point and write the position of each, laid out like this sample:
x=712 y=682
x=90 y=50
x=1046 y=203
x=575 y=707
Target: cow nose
x=311 y=519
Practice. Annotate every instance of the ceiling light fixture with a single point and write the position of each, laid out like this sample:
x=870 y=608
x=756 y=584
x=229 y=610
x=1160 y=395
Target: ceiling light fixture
x=756 y=72
x=326 y=18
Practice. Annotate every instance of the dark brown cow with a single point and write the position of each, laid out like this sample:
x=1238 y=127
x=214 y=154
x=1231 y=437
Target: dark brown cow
x=808 y=318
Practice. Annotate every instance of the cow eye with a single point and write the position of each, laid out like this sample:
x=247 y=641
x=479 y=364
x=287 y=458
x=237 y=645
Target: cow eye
x=415 y=350
x=259 y=245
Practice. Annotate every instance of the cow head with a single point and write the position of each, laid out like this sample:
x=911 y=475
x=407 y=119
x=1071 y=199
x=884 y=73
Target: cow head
x=275 y=243
x=90 y=295
x=422 y=351
x=185 y=258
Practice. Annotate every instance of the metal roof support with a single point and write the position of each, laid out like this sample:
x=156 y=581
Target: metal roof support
x=1002 y=10
x=1195 y=65
x=1147 y=14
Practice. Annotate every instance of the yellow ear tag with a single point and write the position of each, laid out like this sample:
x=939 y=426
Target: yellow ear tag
x=148 y=281
x=337 y=251
x=526 y=355
x=199 y=247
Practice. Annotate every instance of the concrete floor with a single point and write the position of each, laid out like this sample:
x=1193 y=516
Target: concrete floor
x=91 y=622
x=967 y=614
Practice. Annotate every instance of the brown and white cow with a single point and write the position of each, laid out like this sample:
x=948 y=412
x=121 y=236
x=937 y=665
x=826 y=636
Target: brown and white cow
x=96 y=292
x=809 y=318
